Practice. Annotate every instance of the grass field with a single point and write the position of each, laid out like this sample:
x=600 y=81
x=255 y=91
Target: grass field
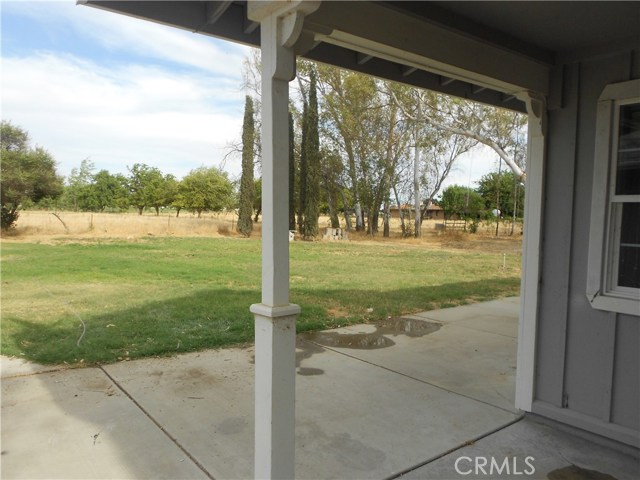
x=92 y=300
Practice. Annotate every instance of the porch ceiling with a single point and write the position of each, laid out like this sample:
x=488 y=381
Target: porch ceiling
x=527 y=36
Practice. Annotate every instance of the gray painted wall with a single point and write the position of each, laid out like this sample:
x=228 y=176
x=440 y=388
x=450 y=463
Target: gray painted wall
x=587 y=360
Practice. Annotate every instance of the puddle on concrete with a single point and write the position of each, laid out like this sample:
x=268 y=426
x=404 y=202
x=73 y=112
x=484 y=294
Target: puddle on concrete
x=311 y=343
x=573 y=472
x=308 y=372
x=304 y=351
x=377 y=339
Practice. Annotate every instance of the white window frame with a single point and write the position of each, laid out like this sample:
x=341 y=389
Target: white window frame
x=603 y=292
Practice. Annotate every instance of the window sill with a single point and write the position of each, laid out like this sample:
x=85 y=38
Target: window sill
x=628 y=306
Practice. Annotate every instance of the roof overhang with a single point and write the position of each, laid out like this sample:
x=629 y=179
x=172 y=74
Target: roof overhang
x=428 y=45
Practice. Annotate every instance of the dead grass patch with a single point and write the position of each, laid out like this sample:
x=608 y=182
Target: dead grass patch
x=78 y=227
x=337 y=312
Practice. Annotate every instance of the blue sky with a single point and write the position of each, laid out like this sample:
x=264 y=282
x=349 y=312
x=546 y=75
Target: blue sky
x=92 y=84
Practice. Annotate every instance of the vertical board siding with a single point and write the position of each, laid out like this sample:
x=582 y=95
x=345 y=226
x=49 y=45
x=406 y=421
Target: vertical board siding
x=608 y=364
x=626 y=379
x=587 y=360
x=557 y=242
x=585 y=371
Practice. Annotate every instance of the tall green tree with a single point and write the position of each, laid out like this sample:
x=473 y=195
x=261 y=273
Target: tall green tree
x=330 y=172
x=257 y=199
x=109 y=191
x=503 y=191
x=206 y=189
x=302 y=184
x=27 y=173
x=77 y=194
x=247 y=193
x=461 y=201
x=292 y=175
x=145 y=186
x=367 y=131
x=162 y=191
x=312 y=153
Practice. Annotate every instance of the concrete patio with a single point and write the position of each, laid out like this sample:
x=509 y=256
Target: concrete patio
x=404 y=397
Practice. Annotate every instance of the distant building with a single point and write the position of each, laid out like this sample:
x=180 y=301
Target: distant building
x=433 y=211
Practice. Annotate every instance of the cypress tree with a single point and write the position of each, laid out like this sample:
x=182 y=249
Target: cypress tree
x=292 y=178
x=247 y=188
x=302 y=187
x=312 y=150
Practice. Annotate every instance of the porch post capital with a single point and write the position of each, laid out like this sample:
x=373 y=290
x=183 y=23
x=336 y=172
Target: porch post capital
x=281 y=25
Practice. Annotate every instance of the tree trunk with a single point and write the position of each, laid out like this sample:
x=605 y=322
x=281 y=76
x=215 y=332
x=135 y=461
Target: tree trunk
x=178 y=211
x=387 y=215
x=140 y=209
x=403 y=227
x=157 y=211
x=416 y=192
x=498 y=196
x=359 y=218
x=347 y=215
x=333 y=214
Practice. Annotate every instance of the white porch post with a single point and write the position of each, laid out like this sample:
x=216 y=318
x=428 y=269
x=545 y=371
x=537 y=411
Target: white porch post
x=529 y=286
x=275 y=318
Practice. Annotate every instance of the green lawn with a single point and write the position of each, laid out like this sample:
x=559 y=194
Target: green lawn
x=163 y=296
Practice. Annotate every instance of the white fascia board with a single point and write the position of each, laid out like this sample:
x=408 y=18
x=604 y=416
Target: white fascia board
x=385 y=33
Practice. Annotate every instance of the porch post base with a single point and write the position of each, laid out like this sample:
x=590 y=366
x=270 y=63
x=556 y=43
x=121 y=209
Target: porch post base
x=275 y=373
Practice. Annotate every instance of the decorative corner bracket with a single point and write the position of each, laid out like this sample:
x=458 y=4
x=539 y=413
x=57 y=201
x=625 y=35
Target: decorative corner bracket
x=537 y=108
x=282 y=32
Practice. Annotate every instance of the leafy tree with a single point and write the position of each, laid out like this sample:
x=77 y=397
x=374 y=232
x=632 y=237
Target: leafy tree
x=27 y=173
x=247 y=193
x=109 y=191
x=171 y=185
x=461 y=201
x=77 y=194
x=503 y=191
x=146 y=186
x=367 y=131
x=349 y=99
x=330 y=172
x=501 y=130
x=179 y=200
x=206 y=189
x=12 y=138
x=162 y=190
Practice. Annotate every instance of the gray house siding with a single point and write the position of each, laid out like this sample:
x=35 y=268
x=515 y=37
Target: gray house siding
x=587 y=360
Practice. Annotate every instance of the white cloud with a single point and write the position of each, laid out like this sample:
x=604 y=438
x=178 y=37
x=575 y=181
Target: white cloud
x=120 y=33
x=158 y=95
x=121 y=115
x=471 y=166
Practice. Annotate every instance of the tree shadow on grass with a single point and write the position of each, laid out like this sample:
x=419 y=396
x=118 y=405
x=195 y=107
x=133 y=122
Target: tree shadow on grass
x=220 y=317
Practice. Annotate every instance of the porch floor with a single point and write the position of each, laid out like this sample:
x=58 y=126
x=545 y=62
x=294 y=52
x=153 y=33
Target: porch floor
x=407 y=395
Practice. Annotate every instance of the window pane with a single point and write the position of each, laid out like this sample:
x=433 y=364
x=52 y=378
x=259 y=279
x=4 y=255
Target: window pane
x=629 y=260
x=628 y=168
